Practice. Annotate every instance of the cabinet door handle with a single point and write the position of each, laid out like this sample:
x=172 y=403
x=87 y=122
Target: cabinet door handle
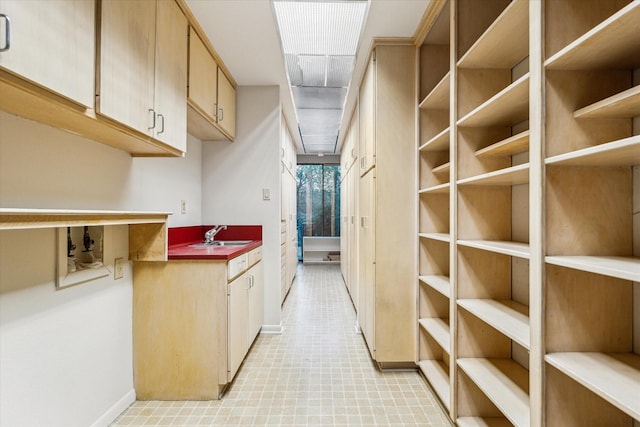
x=153 y=121
x=221 y=114
x=7 y=33
x=162 y=123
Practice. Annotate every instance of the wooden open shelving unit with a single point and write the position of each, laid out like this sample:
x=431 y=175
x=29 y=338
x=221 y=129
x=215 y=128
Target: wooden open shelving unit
x=529 y=211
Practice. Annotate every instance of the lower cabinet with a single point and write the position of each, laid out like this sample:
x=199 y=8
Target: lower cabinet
x=193 y=324
x=245 y=310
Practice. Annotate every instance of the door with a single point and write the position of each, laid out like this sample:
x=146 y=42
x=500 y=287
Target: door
x=52 y=43
x=226 y=105
x=366 y=314
x=127 y=63
x=256 y=297
x=366 y=146
x=170 y=94
x=238 y=323
x=203 y=75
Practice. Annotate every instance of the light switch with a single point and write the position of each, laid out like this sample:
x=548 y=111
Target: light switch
x=266 y=194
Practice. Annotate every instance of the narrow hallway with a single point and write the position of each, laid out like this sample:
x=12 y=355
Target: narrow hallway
x=317 y=373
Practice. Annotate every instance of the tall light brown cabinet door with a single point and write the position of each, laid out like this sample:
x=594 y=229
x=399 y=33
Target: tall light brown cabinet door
x=366 y=147
x=226 y=104
x=52 y=44
x=171 y=75
x=367 y=297
x=127 y=61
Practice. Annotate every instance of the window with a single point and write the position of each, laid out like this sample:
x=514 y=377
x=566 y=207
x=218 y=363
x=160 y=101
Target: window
x=318 y=201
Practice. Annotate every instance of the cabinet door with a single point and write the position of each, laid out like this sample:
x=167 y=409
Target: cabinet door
x=170 y=95
x=203 y=69
x=52 y=43
x=127 y=59
x=367 y=296
x=226 y=104
x=238 y=323
x=366 y=146
x=256 y=297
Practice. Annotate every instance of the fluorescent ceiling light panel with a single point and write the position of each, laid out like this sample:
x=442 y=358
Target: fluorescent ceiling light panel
x=327 y=28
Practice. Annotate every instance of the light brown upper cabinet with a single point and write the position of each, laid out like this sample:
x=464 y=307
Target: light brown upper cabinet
x=211 y=96
x=142 y=74
x=226 y=105
x=50 y=43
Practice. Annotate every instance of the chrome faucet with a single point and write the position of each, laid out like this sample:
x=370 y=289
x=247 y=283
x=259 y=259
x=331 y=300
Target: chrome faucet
x=210 y=235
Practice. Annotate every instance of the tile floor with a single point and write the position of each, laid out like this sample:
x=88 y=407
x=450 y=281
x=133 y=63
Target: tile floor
x=317 y=373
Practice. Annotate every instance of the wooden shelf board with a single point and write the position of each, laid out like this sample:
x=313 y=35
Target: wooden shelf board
x=516 y=249
x=624 y=152
x=438 y=329
x=507 y=107
x=623 y=105
x=626 y=268
x=437 y=374
x=499 y=380
x=443 y=237
x=436 y=189
x=515 y=175
x=440 y=284
x=508 y=317
x=507 y=147
x=438 y=98
x=440 y=142
x=613 y=43
x=443 y=169
x=505 y=43
x=613 y=376
x=17 y=219
x=482 y=422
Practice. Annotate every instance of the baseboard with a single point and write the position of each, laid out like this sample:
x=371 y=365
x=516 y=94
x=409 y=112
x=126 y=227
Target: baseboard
x=112 y=413
x=272 y=329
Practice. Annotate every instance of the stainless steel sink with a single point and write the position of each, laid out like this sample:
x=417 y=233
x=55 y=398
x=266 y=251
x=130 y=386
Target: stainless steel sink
x=221 y=243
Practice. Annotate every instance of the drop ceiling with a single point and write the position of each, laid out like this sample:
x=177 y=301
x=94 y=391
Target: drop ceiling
x=245 y=35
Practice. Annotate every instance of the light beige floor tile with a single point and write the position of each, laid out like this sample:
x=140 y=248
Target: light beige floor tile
x=318 y=372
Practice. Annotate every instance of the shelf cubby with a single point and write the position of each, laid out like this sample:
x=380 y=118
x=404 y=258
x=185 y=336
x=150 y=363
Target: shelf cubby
x=515 y=144
x=438 y=283
x=439 y=142
x=623 y=105
x=434 y=210
x=614 y=377
x=438 y=98
x=508 y=317
x=588 y=211
x=438 y=329
x=591 y=357
x=612 y=43
x=431 y=163
x=506 y=108
x=623 y=152
x=505 y=43
x=437 y=373
x=504 y=382
x=514 y=175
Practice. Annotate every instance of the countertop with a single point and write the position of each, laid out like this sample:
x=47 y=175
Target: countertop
x=184 y=252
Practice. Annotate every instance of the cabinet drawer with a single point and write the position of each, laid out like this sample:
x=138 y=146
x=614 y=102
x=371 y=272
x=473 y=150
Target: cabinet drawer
x=236 y=266
x=254 y=256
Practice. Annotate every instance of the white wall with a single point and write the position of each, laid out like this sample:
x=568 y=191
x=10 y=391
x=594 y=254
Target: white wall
x=66 y=356
x=234 y=175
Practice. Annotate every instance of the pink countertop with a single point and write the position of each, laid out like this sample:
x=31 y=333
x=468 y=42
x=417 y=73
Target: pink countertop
x=180 y=239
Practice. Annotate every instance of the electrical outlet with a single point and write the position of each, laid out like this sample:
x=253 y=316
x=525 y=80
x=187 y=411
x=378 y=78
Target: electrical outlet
x=118 y=268
x=183 y=206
